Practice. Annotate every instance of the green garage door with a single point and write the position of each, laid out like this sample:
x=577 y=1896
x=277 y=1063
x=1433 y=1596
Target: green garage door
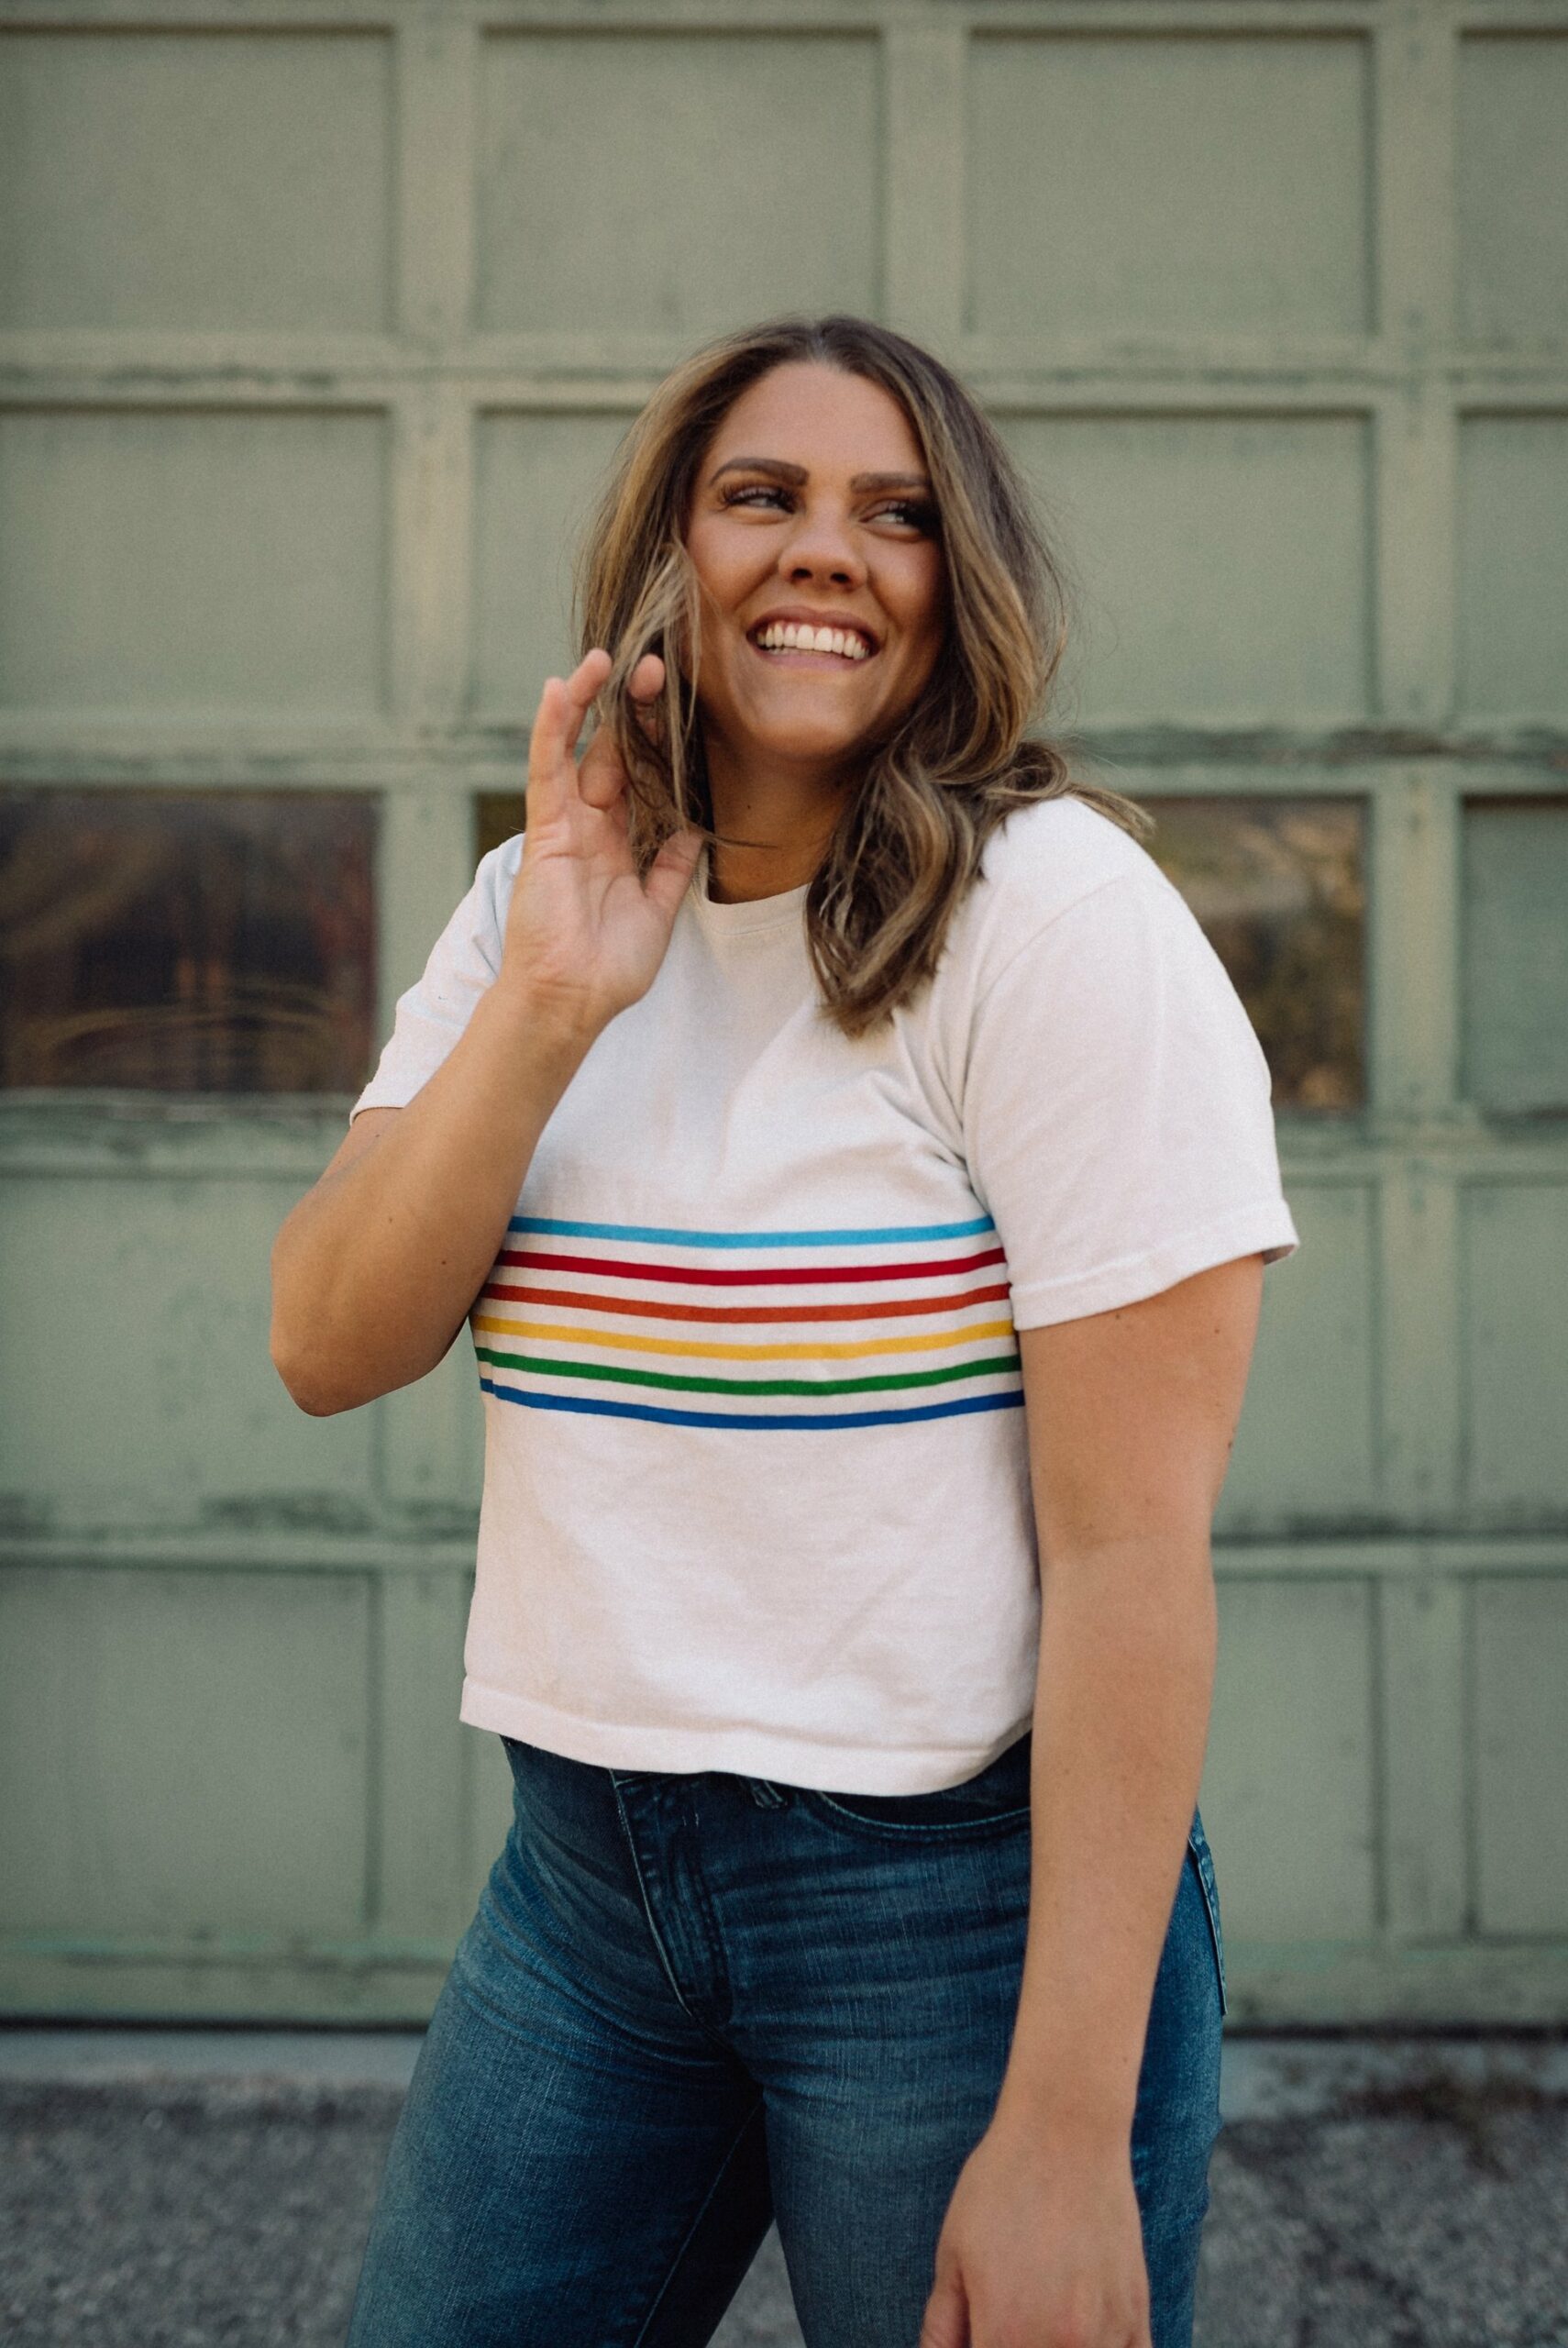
x=312 y=342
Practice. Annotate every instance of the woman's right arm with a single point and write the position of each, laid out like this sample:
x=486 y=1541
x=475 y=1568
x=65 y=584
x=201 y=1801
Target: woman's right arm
x=375 y=1270
x=377 y=1267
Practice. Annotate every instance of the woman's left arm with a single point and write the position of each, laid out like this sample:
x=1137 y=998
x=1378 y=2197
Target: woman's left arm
x=1130 y=1416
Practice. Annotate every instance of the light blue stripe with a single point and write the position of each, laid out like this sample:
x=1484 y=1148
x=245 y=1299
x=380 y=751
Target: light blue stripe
x=658 y=1238
x=1011 y=1401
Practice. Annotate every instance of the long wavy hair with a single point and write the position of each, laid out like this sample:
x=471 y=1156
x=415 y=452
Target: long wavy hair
x=910 y=837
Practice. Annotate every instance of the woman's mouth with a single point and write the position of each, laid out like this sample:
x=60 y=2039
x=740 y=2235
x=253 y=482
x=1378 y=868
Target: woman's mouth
x=795 y=639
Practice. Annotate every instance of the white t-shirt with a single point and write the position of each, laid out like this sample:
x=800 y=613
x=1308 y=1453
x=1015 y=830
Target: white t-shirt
x=756 y=1490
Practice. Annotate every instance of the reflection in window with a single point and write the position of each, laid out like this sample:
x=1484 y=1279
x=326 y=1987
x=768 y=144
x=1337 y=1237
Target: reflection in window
x=498 y=816
x=1279 y=886
x=185 y=941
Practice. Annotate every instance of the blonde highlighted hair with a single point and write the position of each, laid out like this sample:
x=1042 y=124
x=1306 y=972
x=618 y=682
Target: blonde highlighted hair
x=910 y=837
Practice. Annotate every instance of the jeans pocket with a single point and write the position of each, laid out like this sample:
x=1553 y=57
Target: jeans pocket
x=994 y=1802
x=1203 y=1861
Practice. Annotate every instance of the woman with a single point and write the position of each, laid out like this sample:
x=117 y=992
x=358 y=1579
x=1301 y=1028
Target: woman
x=858 y=1170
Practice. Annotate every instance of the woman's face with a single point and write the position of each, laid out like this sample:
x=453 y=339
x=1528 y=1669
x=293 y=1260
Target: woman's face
x=812 y=510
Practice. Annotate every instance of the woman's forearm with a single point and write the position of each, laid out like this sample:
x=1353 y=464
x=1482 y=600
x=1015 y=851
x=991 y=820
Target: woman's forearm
x=1127 y=1653
x=376 y=1268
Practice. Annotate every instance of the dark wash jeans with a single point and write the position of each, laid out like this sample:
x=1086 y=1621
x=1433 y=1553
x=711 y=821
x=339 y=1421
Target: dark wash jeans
x=689 y=2004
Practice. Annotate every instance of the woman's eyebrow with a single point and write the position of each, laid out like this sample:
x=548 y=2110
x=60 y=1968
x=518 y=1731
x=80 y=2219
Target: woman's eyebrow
x=796 y=474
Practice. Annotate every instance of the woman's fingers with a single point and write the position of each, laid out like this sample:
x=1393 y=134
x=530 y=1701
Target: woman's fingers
x=581 y=687
x=563 y=705
x=549 y=762
x=645 y=686
x=602 y=776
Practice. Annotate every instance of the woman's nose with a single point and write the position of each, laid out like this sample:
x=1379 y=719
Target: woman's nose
x=822 y=547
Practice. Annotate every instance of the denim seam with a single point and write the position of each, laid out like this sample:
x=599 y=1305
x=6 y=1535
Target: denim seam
x=1198 y=1851
x=1165 y=2235
x=657 y=1937
x=937 y=1826
x=717 y=1953
x=690 y=2236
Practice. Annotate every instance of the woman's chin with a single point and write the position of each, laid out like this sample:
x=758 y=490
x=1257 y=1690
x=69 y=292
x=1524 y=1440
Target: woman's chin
x=799 y=737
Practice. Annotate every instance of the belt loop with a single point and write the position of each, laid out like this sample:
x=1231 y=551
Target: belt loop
x=765 y=1795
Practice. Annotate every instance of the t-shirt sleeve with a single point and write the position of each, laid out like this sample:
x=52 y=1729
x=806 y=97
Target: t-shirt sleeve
x=433 y=1012
x=1116 y=1107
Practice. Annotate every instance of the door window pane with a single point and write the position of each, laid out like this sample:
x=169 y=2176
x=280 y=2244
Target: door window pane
x=185 y=941
x=1279 y=886
x=1516 y=955
x=498 y=815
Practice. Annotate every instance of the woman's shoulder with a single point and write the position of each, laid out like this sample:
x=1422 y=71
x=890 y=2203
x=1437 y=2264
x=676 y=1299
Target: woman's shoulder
x=498 y=868
x=484 y=907
x=1043 y=858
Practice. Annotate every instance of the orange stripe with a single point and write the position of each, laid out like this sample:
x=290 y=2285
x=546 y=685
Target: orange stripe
x=655 y=1311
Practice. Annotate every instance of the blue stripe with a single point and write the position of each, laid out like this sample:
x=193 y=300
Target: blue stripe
x=1011 y=1401
x=657 y=1236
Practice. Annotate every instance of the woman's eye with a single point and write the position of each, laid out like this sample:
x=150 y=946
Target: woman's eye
x=910 y=511
x=755 y=490
x=905 y=509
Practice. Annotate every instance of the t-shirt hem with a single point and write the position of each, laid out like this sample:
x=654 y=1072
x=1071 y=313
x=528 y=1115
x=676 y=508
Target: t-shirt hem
x=740 y=1749
x=384 y=1096
x=1264 y=1229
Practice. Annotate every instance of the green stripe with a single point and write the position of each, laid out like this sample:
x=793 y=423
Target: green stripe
x=949 y=1371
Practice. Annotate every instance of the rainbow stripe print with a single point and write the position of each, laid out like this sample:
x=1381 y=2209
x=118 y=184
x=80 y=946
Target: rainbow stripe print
x=848 y=1328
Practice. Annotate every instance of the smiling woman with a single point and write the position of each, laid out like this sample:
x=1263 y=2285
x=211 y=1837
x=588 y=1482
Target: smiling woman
x=873 y=624
x=829 y=473
x=856 y=1170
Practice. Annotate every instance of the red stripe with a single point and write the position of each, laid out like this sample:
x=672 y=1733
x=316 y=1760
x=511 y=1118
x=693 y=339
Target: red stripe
x=646 y=1307
x=798 y=1275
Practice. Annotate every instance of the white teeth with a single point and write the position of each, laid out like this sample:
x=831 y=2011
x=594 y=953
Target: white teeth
x=793 y=636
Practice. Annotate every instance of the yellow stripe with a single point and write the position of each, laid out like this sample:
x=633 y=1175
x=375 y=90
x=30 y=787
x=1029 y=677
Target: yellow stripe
x=575 y=1337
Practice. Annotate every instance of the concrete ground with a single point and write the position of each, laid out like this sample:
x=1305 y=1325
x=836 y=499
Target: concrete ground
x=212 y=2189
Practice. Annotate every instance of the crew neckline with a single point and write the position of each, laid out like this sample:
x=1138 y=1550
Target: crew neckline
x=751 y=914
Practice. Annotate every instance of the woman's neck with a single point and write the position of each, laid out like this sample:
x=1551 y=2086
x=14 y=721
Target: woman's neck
x=780 y=824
x=747 y=873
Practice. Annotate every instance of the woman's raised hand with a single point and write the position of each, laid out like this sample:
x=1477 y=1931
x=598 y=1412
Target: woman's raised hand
x=584 y=934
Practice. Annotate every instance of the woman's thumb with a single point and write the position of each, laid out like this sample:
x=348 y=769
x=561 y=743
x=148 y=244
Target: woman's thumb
x=946 y=2321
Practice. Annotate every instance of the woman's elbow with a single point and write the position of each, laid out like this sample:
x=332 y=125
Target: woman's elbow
x=324 y=1379
x=293 y=1337
x=311 y=1369
x=303 y=1381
